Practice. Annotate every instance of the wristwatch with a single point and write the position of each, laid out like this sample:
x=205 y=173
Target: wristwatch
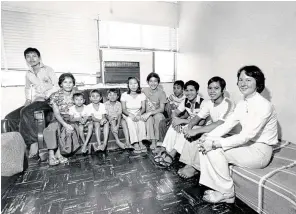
x=214 y=145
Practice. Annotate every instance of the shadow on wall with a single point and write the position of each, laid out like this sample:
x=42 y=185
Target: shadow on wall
x=227 y=94
x=280 y=133
x=267 y=95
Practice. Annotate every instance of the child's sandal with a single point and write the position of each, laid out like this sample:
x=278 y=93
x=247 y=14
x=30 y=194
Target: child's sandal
x=63 y=160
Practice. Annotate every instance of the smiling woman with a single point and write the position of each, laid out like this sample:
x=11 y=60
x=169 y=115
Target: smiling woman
x=251 y=148
x=60 y=101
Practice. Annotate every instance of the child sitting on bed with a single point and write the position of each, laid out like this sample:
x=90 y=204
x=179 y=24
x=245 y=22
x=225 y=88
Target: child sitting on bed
x=114 y=117
x=78 y=115
x=174 y=101
x=97 y=111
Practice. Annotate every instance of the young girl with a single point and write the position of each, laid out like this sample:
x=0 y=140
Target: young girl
x=98 y=113
x=155 y=102
x=133 y=106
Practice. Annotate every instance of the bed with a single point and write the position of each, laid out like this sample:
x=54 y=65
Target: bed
x=271 y=190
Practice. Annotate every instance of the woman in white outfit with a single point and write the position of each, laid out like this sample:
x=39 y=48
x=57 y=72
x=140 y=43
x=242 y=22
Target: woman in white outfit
x=251 y=148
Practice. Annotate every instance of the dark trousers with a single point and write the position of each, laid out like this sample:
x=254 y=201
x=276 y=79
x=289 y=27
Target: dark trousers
x=163 y=128
x=22 y=120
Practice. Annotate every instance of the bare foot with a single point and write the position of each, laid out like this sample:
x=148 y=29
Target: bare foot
x=33 y=150
x=182 y=169
x=97 y=146
x=187 y=172
x=83 y=149
x=153 y=145
x=121 y=145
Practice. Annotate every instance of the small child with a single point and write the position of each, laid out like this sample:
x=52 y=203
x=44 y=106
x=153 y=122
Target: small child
x=114 y=116
x=97 y=111
x=174 y=101
x=79 y=115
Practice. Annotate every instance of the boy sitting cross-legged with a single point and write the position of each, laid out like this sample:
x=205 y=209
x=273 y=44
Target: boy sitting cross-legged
x=114 y=116
x=97 y=111
x=78 y=114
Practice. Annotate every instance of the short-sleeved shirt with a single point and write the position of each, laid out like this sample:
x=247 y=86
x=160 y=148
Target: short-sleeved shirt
x=91 y=111
x=113 y=110
x=76 y=114
x=172 y=99
x=42 y=84
x=219 y=112
x=154 y=99
x=60 y=100
x=192 y=111
x=133 y=104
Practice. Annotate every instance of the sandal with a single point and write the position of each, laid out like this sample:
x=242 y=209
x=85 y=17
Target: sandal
x=129 y=147
x=63 y=159
x=137 y=150
x=158 y=158
x=53 y=161
x=144 y=150
x=164 y=162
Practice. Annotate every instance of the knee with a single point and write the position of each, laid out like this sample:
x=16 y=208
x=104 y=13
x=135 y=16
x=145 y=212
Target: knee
x=158 y=117
x=150 y=120
x=90 y=125
x=25 y=111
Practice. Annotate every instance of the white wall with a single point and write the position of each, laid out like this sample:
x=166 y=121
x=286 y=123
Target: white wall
x=217 y=38
x=144 y=12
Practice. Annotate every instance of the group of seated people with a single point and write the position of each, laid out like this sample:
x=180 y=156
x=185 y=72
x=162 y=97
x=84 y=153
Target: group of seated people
x=202 y=131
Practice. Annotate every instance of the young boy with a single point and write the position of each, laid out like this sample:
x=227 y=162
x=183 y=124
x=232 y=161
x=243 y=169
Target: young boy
x=97 y=111
x=178 y=96
x=79 y=115
x=174 y=101
x=114 y=116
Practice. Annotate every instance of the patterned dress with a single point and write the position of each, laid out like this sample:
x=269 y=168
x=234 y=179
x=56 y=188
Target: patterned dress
x=63 y=103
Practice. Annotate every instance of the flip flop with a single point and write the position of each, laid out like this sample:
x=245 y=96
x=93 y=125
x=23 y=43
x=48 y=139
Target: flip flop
x=137 y=151
x=143 y=149
x=166 y=163
x=158 y=159
x=129 y=147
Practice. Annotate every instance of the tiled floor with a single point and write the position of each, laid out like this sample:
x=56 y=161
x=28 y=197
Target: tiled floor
x=114 y=182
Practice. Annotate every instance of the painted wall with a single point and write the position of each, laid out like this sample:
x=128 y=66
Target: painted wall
x=217 y=38
x=144 y=12
x=164 y=14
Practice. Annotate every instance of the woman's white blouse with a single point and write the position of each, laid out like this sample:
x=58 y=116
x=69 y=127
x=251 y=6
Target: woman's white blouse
x=258 y=119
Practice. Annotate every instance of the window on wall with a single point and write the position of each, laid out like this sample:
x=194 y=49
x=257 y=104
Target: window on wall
x=157 y=42
x=67 y=44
